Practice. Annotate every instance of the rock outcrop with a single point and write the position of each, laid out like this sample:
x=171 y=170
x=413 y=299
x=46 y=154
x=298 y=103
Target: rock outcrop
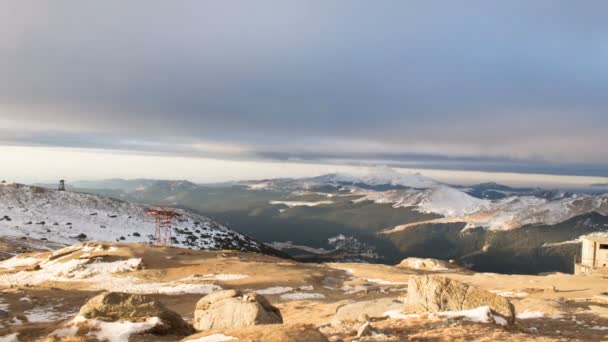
x=436 y=294
x=229 y=309
x=353 y=312
x=117 y=306
x=429 y=264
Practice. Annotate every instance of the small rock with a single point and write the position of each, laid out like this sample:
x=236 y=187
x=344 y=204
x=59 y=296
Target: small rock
x=364 y=329
x=354 y=312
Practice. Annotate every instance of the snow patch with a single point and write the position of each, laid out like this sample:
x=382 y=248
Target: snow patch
x=274 y=290
x=527 y=314
x=396 y=314
x=482 y=314
x=509 y=294
x=302 y=296
x=292 y=204
x=108 y=331
x=220 y=277
x=385 y=282
x=45 y=315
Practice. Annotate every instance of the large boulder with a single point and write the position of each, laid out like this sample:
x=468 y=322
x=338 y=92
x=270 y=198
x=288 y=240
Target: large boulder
x=229 y=309
x=117 y=307
x=429 y=264
x=437 y=294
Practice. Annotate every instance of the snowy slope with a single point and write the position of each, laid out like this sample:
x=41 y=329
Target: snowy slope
x=69 y=217
x=441 y=200
x=515 y=212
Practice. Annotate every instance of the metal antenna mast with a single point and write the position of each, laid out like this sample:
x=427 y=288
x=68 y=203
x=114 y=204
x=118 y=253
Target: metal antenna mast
x=163 y=219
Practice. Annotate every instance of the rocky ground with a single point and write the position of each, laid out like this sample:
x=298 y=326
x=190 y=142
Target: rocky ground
x=43 y=294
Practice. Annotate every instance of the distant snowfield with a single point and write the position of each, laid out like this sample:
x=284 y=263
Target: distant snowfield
x=292 y=204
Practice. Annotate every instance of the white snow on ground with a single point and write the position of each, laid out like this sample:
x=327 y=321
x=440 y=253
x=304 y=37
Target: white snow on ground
x=597 y=327
x=120 y=331
x=274 y=290
x=509 y=294
x=552 y=244
x=301 y=296
x=385 y=282
x=46 y=314
x=220 y=277
x=133 y=285
x=10 y=337
x=107 y=331
x=530 y=314
x=213 y=338
x=396 y=314
x=62 y=216
x=111 y=275
x=292 y=204
x=482 y=314
x=71 y=270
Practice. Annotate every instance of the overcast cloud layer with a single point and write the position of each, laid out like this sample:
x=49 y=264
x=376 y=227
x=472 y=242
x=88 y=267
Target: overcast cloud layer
x=468 y=84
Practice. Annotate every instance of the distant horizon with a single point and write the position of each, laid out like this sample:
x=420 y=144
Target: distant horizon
x=50 y=165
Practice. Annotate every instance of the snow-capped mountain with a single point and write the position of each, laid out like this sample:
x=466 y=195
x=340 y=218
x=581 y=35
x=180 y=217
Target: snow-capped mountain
x=379 y=176
x=489 y=205
x=69 y=217
x=441 y=199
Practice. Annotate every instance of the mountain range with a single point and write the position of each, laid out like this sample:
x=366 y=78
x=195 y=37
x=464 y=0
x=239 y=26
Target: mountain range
x=385 y=215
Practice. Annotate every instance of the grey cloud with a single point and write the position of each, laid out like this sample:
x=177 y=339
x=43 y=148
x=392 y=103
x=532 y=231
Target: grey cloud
x=492 y=80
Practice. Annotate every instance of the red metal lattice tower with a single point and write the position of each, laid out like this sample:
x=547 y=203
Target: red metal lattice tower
x=163 y=219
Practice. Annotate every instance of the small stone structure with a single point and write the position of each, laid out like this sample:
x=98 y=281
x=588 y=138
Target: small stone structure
x=594 y=255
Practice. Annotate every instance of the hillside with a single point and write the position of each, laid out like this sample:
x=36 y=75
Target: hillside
x=67 y=217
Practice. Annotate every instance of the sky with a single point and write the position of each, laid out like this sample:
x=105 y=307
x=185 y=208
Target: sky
x=512 y=87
